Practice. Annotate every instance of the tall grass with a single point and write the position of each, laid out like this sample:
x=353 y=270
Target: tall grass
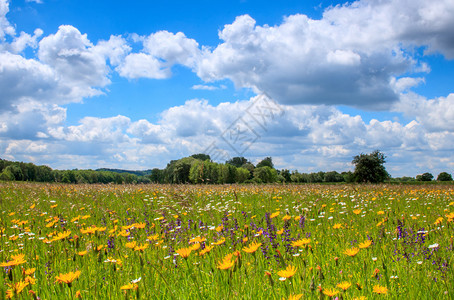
x=410 y=253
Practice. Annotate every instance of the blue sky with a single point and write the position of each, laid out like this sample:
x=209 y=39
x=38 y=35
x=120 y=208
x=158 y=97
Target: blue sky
x=90 y=84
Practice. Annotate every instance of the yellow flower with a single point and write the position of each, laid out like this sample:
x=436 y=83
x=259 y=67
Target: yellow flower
x=280 y=231
x=30 y=280
x=89 y=230
x=131 y=245
x=330 y=292
x=15 y=289
x=141 y=247
x=78 y=295
x=351 y=252
x=197 y=239
x=29 y=271
x=288 y=272
x=61 y=236
x=153 y=237
x=67 y=278
x=140 y=225
x=82 y=253
x=380 y=289
x=206 y=250
x=252 y=248
x=220 y=242
x=337 y=226
x=195 y=247
x=300 y=243
x=129 y=286
x=344 y=285
x=219 y=228
x=275 y=214
x=357 y=211
x=124 y=233
x=16 y=260
x=226 y=263
x=286 y=218
x=294 y=297
x=365 y=244
x=438 y=221
x=184 y=252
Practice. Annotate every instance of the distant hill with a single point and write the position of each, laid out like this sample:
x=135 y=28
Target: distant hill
x=138 y=173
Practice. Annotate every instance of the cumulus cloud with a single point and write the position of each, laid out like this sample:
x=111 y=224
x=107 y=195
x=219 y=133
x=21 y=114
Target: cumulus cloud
x=24 y=79
x=79 y=66
x=309 y=138
x=161 y=51
x=5 y=27
x=351 y=56
x=434 y=114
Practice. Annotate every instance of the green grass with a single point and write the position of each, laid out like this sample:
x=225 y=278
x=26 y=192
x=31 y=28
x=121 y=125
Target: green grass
x=410 y=255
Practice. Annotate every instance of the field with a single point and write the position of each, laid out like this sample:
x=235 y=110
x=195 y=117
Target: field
x=226 y=242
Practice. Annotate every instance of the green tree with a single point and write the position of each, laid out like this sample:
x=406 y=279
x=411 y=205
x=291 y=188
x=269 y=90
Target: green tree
x=425 y=177
x=242 y=175
x=265 y=174
x=444 y=176
x=201 y=156
x=266 y=162
x=370 y=167
x=237 y=161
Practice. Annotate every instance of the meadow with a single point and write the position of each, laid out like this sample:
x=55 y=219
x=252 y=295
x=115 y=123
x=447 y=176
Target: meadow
x=226 y=241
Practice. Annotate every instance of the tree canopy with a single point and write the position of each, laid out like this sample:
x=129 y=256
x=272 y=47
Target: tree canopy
x=370 y=167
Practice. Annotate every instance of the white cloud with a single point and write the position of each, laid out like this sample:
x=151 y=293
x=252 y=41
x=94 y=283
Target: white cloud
x=23 y=41
x=161 y=51
x=5 y=26
x=115 y=49
x=141 y=65
x=435 y=114
x=23 y=79
x=207 y=87
x=79 y=66
x=91 y=129
x=351 y=56
x=172 y=48
x=308 y=138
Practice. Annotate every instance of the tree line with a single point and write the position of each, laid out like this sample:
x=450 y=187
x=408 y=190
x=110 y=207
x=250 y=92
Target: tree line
x=200 y=169
x=20 y=171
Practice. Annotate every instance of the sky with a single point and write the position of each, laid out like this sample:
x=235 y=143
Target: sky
x=133 y=85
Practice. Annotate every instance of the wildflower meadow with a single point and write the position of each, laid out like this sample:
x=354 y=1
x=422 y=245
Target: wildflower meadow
x=226 y=241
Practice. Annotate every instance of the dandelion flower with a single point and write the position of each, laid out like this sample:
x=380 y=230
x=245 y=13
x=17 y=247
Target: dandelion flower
x=29 y=272
x=252 y=248
x=184 y=252
x=351 y=252
x=220 y=242
x=288 y=272
x=294 y=297
x=61 y=236
x=226 y=263
x=67 y=278
x=129 y=286
x=300 y=243
x=206 y=250
x=344 y=285
x=365 y=244
x=16 y=260
x=131 y=245
x=141 y=248
x=15 y=289
x=330 y=292
x=378 y=289
x=195 y=247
